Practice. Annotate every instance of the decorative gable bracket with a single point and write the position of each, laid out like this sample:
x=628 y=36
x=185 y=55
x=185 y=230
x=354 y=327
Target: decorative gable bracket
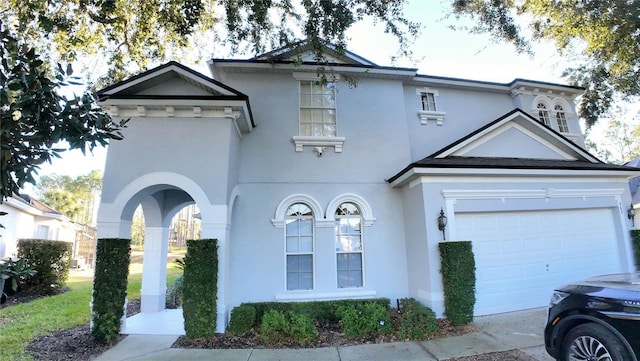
x=426 y=115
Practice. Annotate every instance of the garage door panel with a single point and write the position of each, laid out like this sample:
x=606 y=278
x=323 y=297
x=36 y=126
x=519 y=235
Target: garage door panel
x=522 y=256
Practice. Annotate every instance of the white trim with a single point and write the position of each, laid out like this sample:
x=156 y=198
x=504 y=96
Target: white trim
x=365 y=208
x=530 y=193
x=304 y=76
x=426 y=115
x=315 y=296
x=278 y=219
x=336 y=142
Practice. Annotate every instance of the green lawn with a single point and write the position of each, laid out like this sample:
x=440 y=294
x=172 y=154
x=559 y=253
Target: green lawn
x=22 y=323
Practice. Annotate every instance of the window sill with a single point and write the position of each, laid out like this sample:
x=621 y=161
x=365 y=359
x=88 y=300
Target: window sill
x=425 y=115
x=322 y=296
x=335 y=142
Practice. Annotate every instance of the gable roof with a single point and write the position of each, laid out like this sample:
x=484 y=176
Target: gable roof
x=514 y=143
x=173 y=84
x=303 y=49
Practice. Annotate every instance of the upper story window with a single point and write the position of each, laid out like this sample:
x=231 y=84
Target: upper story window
x=561 y=118
x=299 y=248
x=318 y=109
x=349 y=260
x=543 y=114
x=428 y=106
x=428 y=101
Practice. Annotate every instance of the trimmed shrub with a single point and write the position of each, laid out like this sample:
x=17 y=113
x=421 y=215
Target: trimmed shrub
x=317 y=310
x=174 y=294
x=458 y=269
x=199 y=288
x=279 y=327
x=635 y=241
x=50 y=259
x=417 y=322
x=365 y=320
x=242 y=319
x=109 y=287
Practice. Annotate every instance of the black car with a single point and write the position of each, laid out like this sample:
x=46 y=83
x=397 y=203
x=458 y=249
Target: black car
x=596 y=319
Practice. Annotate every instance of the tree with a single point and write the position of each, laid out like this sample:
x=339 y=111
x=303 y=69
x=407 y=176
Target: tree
x=35 y=117
x=134 y=34
x=73 y=197
x=601 y=36
x=620 y=141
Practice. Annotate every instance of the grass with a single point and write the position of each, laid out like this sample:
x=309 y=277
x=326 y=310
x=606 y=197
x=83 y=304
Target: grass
x=22 y=323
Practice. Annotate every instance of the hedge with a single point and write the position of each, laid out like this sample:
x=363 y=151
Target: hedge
x=199 y=288
x=50 y=259
x=109 y=287
x=458 y=269
x=635 y=241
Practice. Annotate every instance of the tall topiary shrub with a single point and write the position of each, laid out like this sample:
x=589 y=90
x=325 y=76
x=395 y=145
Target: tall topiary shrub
x=635 y=242
x=458 y=269
x=200 y=287
x=109 y=287
x=50 y=259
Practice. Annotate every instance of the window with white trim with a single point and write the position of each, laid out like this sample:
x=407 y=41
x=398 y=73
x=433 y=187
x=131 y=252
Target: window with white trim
x=299 y=245
x=349 y=246
x=543 y=114
x=318 y=109
x=428 y=101
x=561 y=118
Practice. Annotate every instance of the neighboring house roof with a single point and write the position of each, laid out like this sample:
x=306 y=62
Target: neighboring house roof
x=512 y=143
x=27 y=204
x=172 y=85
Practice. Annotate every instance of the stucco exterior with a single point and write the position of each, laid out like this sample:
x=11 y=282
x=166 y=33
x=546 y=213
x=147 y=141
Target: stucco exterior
x=234 y=144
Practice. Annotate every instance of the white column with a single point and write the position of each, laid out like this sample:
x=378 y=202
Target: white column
x=154 y=272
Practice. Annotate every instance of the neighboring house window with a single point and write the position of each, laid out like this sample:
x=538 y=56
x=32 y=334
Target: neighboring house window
x=348 y=230
x=429 y=102
x=561 y=119
x=43 y=232
x=543 y=114
x=318 y=109
x=299 y=247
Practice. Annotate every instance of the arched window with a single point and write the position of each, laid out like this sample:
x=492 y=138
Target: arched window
x=543 y=114
x=299 y=234
x=349 y=245
x=561 y=119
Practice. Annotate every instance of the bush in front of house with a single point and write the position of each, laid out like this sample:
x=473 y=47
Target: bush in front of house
x=242 y=320
x=365 y=320
x=173 y=298
x=417 y=322
x=635 y=241
x=279 y=328
x=458 y=269
x=109 y=287
x=50 y=259
x=199 y=288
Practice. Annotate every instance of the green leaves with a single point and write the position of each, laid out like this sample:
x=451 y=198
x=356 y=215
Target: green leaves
x=35 y=117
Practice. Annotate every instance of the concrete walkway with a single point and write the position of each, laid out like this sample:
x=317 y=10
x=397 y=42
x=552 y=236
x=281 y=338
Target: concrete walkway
x=521 y=330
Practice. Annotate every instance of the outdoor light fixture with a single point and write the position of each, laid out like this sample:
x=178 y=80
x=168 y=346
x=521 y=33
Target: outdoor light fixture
x=442 y=222
x=631 y=213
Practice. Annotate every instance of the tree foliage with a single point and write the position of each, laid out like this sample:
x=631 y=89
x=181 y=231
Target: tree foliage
x=35 y=117
x=134 y=34
x=73 y=197
x=602 y=35
x=620 y=140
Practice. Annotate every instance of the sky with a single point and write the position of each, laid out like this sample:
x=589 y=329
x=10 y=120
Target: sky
x=438 y=50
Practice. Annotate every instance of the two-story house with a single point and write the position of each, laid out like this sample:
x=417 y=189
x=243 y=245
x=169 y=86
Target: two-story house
x=329 y=185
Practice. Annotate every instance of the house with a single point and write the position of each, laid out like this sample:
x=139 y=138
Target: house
x=27 y=217
x=328 y=185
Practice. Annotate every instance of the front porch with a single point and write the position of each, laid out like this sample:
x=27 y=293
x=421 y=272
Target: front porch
x=164 y=322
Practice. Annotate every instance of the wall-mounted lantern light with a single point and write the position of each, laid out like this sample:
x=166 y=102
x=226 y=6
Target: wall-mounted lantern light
x=442 y=223
x=631 y=213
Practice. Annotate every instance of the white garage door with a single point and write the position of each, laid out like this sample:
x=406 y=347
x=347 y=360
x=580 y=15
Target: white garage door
x=522 y=256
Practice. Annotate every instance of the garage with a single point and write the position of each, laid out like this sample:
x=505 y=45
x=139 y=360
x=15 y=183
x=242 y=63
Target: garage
x=522 y=256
